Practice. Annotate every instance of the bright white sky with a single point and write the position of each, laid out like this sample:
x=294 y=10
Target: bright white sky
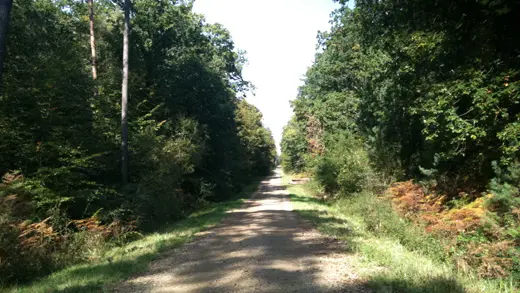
x=280 y=39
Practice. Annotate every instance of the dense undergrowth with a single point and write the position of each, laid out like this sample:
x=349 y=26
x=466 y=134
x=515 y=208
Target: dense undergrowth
x=390 y=253
x=115 y=261
x=419 y=101
x=193 y=139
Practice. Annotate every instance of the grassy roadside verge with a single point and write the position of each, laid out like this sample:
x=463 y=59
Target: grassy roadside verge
x=122 y=262
x=392 y=254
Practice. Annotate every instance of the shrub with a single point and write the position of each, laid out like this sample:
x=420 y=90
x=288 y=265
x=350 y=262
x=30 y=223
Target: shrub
x=345 y=168
x=505 y=188
x=30 y=247
x=479 y=233
x=163 y=164
x=380 y=219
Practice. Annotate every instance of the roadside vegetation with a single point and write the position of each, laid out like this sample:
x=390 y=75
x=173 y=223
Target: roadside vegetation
x=414 y=105
x=390 y=253
x=82 y=173
x=117 y=262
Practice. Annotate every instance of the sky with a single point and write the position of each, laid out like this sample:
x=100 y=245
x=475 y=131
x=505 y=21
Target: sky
x=280 y=39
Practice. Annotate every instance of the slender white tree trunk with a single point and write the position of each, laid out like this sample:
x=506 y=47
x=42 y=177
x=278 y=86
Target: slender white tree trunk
x=92 y=39
x=5 y=13
x=124 y=96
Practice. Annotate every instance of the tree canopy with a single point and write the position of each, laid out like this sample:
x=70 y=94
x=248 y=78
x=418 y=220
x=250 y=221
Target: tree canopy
x=426 y=84
x=422 y=90
x=192 y=136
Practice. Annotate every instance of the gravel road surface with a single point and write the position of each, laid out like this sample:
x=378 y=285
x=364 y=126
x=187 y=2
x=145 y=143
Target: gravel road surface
x=261 y=247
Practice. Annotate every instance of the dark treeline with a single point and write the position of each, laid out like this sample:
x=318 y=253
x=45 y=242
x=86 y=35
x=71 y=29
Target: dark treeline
x=192 y=136
x=424 y=90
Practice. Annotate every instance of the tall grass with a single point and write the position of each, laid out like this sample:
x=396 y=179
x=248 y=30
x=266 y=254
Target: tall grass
x=394 y=255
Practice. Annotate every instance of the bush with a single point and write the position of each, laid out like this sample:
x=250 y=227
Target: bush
x=344 y=169
x=11 y=260
x=36 y=235
x=163 y=164
x=505 y=188
x=504 y=200
x=380 y=219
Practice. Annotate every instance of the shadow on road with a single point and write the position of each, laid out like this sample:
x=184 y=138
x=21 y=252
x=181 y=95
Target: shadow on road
x=261 y=247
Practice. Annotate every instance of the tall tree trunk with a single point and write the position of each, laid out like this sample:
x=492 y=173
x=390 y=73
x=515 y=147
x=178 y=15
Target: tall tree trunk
x=92 y=40
x=5 y=13
x=124 y=96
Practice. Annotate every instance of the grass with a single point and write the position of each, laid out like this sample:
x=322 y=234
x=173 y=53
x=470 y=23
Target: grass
x=122 y=262
x=392 y=254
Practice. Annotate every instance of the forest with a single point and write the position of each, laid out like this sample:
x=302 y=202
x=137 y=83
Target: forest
x=415 y=104
x=116 y=117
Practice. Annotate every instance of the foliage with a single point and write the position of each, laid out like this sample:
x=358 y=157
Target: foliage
x=390 y=253
x=505 y=187
x=192 y=137
x=422 y=90
x=344 y=168
x=401 y=75
x=125 y=259
x=258 y=142
x=478 y=234
x=293 y=148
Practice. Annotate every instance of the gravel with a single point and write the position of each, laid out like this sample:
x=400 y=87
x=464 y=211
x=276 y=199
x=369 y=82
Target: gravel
x=261 y=247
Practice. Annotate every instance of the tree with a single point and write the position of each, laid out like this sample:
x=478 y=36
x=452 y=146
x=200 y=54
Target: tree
x=412 y=78
x=257 y=140
x=187 y=142
x=124 y=95
x=5 y=14
x=294 y=147
x=92 y=39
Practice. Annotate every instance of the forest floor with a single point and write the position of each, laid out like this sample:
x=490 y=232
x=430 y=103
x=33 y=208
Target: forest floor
x=263 y=246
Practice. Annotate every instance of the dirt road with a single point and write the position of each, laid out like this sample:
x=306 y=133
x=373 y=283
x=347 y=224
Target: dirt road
x=261 y=247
